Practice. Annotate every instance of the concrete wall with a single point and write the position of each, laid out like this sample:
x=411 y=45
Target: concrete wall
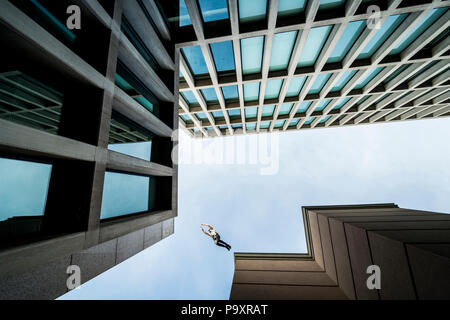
x=284 y=280
x=48 y=280
x=412 y=249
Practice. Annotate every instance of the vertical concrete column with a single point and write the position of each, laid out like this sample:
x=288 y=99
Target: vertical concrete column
x=77 y=188
x=92 y=234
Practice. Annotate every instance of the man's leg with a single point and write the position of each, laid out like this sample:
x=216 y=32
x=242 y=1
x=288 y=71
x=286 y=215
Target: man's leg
x=220 y=243
x=224 y=244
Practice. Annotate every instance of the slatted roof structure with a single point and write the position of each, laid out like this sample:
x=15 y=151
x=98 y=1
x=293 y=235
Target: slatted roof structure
x=263 y=65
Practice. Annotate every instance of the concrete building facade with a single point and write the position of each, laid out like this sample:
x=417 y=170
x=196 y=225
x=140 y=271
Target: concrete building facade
x=411 y=248
x=71 y=99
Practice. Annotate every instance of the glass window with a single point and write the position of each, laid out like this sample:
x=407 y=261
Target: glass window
x=252 y=10
x=294 y=122
x=140 y=46
x=209 y=94
x=147 y=104
x=348 y=38
x=185 y=19
x=282 y=46
x=127 y=81
x=251 y=91
x=314 y=43
x=213 y=10
x=24 y=99
x=372 y=74
x=322 y=104
x=381 y=98
x=252 y=53
x=325 y=119
x=19 y=178
x=122 y=83
x=273 y=89
x=142 y=150
x=251 y=112
x=418 y=30
x=330 y=4
x=218 y=114
x=223 y=55
x=234 y=112
x=295 y=86
x=201 y=116
x=189 y=96
x=364 y=99
x=185 y=118
x=279 y=123
x=319 y=83
x=340 y=103
x=343 y=80
x=230 y=92
x=303 y=106
x=267 y=111
x=265 y=125
x=194 y=58
x=381 y=35
x=127 y=137
x=53 y=22
x=236 y=126
x=309 y=120
x=124 y=194
x=251 y=126
x=285 y=108
x=290 y=7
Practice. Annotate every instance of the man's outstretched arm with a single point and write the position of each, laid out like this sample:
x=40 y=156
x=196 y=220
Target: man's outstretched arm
x=209 y=235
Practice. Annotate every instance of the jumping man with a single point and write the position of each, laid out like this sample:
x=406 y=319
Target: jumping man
x=215 y=236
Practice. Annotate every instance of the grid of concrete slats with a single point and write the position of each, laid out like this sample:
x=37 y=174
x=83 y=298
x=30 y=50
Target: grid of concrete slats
x=426 y=95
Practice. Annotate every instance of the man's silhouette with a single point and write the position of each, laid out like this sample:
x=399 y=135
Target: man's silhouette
x=215 y=236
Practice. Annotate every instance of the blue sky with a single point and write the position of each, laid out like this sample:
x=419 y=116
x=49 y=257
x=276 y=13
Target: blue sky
x=405 y=163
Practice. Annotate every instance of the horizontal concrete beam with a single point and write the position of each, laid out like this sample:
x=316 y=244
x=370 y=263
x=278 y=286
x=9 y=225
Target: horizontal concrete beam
x=114 y=229
x=122 y=162
x=129 y=55
x=29 y=141
x=131 y=109
x=137 y=18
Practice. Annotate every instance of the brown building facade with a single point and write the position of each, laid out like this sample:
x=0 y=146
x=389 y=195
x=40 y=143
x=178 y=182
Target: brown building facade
x=411 y=248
